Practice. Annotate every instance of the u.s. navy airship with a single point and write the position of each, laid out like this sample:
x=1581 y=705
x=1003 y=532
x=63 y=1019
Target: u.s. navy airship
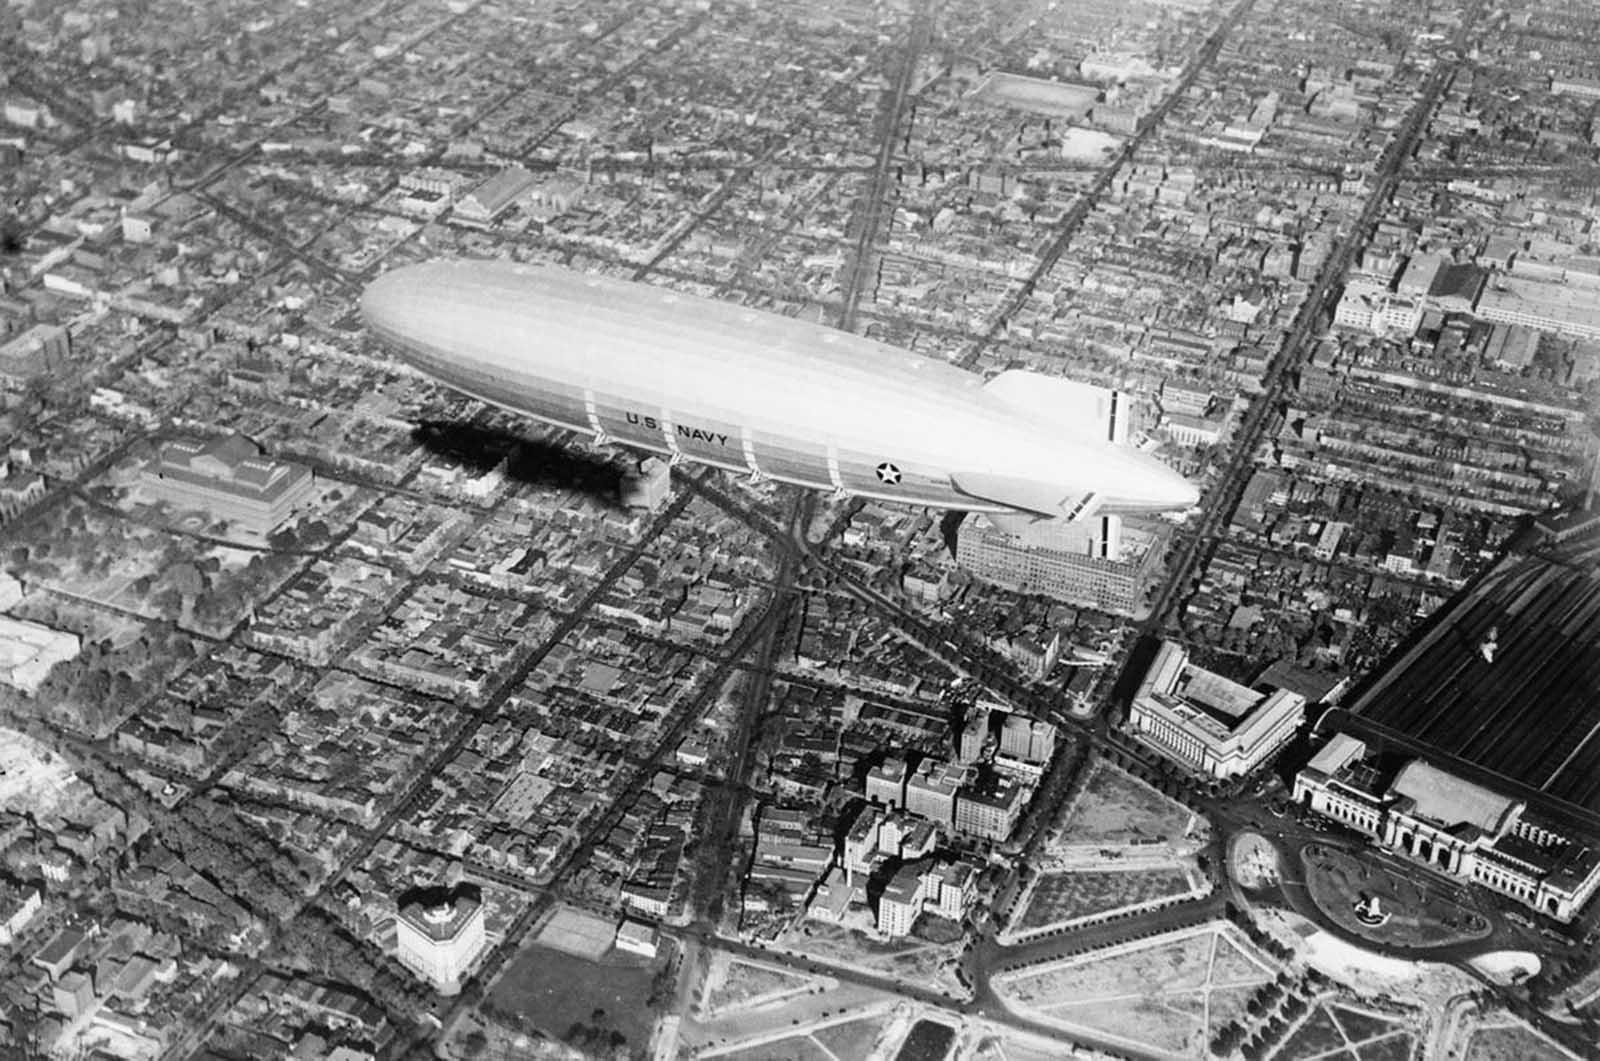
x=752 y=391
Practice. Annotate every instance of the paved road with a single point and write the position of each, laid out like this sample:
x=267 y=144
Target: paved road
x=873 y=209
x=1199 y=542
x=1067 y=228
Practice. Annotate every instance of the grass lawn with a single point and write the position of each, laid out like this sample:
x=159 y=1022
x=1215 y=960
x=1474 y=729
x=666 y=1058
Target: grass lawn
x=1397 y=1047
x=555 y=992
x=746 y=981
x=1062 y=897
x=1420 y=913
x=1359 y=1025
x=1317 y=1036
x=1150 y=1021
x=1165 y=995
x=1117 y=808
x=1512 y=1042
x=854 y=1038
x=929 y=1041
x=799 y=1048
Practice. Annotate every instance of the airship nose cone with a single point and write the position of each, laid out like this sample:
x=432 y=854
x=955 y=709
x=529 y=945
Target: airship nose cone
x=1146 y=484
x=1177 y=493
x=393 y=305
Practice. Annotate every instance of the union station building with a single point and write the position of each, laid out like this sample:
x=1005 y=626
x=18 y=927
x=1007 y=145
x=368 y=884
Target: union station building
x=1452 y=825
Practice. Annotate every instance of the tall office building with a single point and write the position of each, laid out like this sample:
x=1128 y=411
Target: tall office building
x=973 y=736
x=1029 y=740
x=931 y=791
x=886 y=783
x=439 y=934
x=991 y=810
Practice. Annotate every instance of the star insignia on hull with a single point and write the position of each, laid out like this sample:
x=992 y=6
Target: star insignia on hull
x=888 y=473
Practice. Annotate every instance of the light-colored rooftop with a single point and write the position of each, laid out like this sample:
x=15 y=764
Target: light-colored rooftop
x=1445 y=798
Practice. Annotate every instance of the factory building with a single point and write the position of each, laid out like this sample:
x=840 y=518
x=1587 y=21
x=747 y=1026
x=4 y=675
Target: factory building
x=1453 y=826
x=1206 y=722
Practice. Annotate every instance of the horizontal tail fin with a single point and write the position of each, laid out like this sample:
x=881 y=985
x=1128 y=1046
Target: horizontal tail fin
x=1092 y=412
x=1025 y=495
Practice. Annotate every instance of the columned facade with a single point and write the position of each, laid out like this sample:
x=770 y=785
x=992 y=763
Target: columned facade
x=1451 y=826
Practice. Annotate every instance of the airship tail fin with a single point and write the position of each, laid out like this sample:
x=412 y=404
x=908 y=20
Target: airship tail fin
x=1024 y=495
x=1095 y=412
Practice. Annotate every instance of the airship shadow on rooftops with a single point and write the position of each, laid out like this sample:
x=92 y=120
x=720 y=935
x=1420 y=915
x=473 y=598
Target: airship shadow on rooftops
x=764 y=395
x=538 y=462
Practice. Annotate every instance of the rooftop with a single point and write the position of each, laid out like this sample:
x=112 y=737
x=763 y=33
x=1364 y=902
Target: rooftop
x=1450 y=800
x=1508 y=678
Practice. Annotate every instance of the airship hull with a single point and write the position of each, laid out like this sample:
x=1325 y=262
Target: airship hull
x=751 y=391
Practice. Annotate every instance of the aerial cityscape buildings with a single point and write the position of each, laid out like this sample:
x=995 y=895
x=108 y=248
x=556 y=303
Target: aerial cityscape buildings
x=793 y=741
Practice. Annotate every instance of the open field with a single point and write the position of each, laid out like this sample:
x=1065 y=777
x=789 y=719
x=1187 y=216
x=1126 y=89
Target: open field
x=744 y=982
x=929 y=1041
x=1117 y=808
x=1513 y=1042
x=844 y=1041
x=1334 y=1031
x=913 y=961
x=1064 y=897
x=1317 y=1036
x=854 y=1038
x=795 y=1048
x=1169 y=994
x=561 y=994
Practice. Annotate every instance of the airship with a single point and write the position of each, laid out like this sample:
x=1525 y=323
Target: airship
x=755 y=392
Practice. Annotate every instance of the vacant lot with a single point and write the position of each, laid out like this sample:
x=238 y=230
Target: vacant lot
x=1170 y=994
x=1513 y=1042
x=745 y=982
x=1061 y=897
x=1117 y=808
x=564 y=995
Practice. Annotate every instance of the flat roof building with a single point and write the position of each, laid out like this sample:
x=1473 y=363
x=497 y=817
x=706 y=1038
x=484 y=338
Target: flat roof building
x=931 y=791
x=28 y=651
x=991 y=810
x=439 y=935
x=1206 y=722
x=1451 y=825
x=944 y=888
x=886 y=783
x=228 y=478
x=1100 y=563
x=1566 y=309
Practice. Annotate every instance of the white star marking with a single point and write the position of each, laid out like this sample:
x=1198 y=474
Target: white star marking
x=889 y=473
